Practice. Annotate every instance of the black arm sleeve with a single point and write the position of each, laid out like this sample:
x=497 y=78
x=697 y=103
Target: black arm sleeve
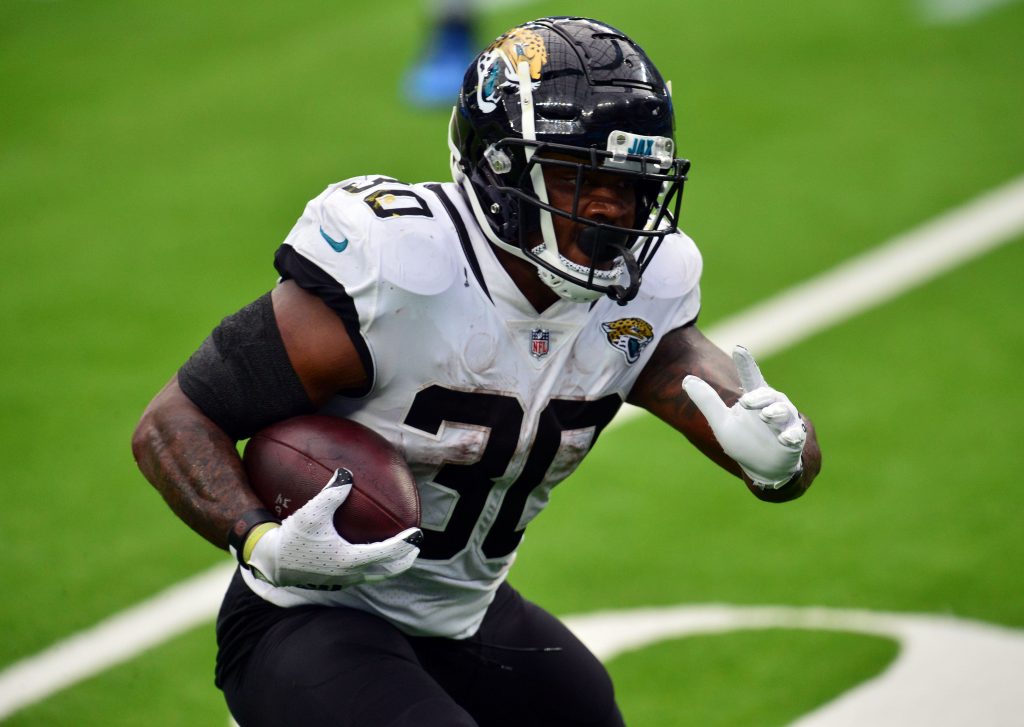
x=241 y=377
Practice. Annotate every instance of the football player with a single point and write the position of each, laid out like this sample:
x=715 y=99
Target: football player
x=490 y=327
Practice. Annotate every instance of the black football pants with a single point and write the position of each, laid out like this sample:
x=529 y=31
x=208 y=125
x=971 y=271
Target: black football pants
x=338 y=666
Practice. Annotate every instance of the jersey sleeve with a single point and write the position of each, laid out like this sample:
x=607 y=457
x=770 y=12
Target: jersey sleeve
x=368 y=246
x=333 y=236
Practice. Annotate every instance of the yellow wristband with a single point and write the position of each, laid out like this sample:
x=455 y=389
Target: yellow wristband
x=254 y=536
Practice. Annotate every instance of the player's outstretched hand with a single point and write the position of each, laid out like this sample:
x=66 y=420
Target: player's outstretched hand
x=763 y=431
x=307 y=551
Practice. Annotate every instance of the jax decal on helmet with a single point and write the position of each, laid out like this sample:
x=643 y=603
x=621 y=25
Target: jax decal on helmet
x=574 y=93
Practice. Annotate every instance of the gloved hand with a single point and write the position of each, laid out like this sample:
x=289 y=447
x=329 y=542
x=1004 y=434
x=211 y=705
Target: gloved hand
x=306 y=551
x=763 y=431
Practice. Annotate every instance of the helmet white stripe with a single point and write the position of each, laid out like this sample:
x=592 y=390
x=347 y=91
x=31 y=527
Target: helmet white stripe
x=526 y=104
x=547 y=227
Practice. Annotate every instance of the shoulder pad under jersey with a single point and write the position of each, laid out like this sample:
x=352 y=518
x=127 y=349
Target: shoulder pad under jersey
x=675 y=269
x=403 y=226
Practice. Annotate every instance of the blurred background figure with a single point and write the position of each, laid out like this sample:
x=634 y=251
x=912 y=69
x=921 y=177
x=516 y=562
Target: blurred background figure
x=449 y=46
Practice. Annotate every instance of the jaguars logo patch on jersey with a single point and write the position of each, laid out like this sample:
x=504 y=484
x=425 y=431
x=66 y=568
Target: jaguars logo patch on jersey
x=630 y=336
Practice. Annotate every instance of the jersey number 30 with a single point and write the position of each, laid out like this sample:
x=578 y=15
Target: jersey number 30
x=502 y=416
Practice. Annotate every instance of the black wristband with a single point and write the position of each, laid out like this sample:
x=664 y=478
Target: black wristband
x=775 y=488
x=243 y=525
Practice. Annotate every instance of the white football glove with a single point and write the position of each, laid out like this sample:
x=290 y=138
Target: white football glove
x=307 y=551
x=763 y=431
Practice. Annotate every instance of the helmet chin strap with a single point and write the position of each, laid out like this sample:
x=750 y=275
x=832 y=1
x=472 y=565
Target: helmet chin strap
x=596 y=242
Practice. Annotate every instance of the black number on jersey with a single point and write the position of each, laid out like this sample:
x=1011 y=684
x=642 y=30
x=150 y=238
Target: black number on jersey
x=502 y=417
x=386 y=203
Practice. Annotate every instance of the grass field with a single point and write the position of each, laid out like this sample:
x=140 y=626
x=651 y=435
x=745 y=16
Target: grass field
x=153 y=155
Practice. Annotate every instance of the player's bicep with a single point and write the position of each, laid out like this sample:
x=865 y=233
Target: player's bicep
x=321 y=352
x=659 y=389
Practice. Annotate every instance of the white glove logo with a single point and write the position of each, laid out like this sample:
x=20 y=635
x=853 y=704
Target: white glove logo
x=307 y=551
x=763 y=431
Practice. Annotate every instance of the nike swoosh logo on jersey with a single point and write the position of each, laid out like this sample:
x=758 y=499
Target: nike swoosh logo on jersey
x=335 y=245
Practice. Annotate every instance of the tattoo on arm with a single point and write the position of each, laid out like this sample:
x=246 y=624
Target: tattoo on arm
x=193 y=464
x=659 y=389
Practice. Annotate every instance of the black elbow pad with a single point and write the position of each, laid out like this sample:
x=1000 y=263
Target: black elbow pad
x=241 y=377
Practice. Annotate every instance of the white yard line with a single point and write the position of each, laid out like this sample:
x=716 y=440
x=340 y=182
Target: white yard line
x=954 y=12
x=117 y=639
x=876 y=276
x=855 y=286
x=949 y=671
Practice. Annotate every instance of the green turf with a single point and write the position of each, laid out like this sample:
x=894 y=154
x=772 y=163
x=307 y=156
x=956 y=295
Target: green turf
x=171 y=685
x=744 y=678
x=153 y=155
x=914 y=510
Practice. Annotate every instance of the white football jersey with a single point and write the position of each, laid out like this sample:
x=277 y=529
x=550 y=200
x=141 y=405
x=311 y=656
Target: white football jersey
x=491 y=403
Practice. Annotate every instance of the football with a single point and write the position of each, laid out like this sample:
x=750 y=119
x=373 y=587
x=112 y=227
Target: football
x=289 y=462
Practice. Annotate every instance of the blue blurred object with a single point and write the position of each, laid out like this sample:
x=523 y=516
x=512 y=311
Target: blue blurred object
x=435 y=80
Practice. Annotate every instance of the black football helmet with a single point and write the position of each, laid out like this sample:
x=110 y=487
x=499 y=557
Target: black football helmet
x=577 y=93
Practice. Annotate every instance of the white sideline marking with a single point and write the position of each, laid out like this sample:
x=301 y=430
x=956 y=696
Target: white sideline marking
x=873 y=277
x=880 y=274
x=114 y=640
x=850 y=288
x=949 y=672
x=952 y=12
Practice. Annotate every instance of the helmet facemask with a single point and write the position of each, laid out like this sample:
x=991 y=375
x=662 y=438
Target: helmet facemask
x=502 y=143
x=657 y=184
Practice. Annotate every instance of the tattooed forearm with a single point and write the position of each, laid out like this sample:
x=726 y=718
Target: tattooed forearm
x=682 y=352
x=659 y=389
x=193 y=465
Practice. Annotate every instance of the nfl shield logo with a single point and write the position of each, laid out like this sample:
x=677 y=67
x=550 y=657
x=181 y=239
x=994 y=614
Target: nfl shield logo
x=539 y=341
